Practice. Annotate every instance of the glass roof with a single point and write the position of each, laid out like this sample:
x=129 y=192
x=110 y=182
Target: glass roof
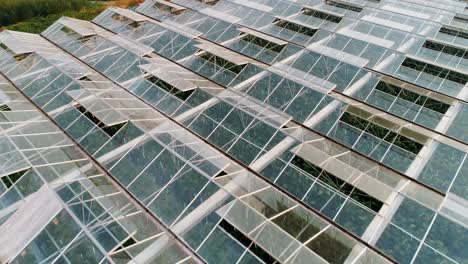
x=278 y=131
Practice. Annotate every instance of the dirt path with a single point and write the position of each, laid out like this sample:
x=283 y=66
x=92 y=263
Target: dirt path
x=123 y=3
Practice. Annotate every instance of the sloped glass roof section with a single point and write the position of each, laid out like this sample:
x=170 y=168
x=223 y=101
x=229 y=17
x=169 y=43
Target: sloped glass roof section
x=233 y=131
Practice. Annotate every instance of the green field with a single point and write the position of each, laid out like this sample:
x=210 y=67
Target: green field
x=13 y=11
x=39 y=23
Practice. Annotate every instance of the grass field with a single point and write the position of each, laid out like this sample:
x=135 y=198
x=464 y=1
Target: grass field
x=12 y=11
x=81 y=9
x=40 y=23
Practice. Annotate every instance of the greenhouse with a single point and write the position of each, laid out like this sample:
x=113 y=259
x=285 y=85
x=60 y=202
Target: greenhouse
x=238 y=131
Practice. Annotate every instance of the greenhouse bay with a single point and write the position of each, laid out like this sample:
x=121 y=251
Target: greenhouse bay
x=238 y=131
